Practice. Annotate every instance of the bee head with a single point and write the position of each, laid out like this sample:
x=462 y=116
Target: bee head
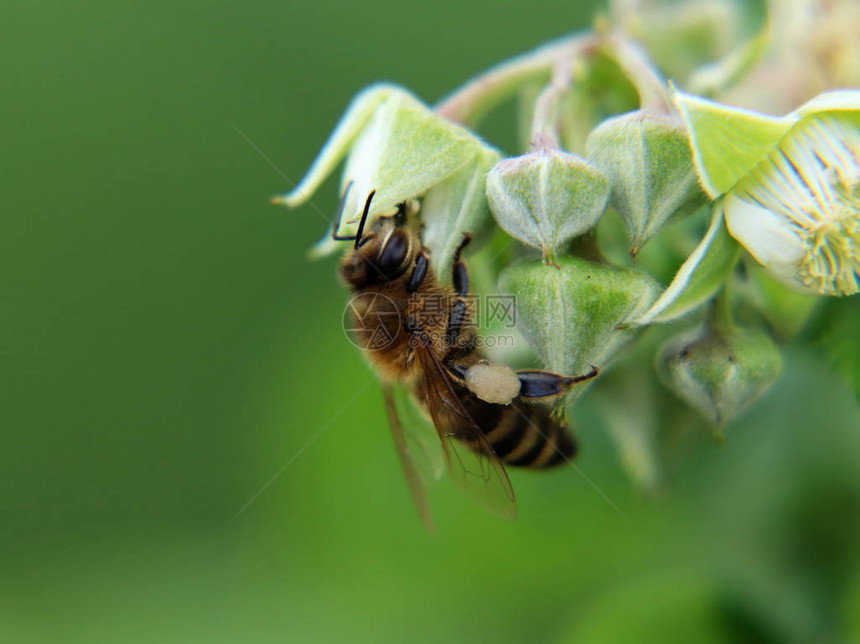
x=381 y=255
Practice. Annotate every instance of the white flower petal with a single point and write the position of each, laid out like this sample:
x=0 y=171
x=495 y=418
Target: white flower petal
x=767 y=236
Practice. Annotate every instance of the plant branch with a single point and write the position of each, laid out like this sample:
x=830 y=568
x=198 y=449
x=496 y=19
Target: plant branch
x=474 y=99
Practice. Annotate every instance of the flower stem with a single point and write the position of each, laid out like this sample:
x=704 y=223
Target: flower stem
x=544 y=133
x=719 y=317
x=634 y=62
x=474 y=99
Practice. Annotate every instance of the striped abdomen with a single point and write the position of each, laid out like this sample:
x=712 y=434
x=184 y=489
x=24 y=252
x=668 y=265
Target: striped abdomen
x=522 y=435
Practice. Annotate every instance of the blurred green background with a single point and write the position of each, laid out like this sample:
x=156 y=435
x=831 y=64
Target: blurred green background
x=167 y=349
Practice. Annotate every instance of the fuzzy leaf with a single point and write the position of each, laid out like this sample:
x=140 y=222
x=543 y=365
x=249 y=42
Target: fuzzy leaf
x=404 y=151
x=572 y=313
x=699 y=277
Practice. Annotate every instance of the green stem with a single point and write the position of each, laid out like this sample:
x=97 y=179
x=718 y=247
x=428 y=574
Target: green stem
x=544 y=133
x=634 y=62
x=719 y=315
x=474 y=99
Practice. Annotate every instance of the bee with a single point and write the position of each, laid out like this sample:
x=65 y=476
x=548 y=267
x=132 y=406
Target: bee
x=484 y=413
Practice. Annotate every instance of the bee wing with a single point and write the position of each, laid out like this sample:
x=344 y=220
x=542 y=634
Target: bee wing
x=414 y=479
x=421 y=437
x=475 y=469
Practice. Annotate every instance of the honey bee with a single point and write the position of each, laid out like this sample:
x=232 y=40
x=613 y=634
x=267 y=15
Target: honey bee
x=484 y=413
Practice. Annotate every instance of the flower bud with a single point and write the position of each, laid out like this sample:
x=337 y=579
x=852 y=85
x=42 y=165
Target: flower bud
x=546 y=198
x=647 y=159
x=577 y=315
x=719 y=372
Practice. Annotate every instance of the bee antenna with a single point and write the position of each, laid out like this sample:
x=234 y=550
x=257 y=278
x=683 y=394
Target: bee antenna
x=363 y=218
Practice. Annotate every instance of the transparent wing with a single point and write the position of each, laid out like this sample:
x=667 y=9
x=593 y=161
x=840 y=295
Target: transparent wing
x=414 y=479
x=421 y=437
x=470 y=458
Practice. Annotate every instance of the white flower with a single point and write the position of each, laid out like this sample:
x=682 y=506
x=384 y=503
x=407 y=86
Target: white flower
x=798 y=211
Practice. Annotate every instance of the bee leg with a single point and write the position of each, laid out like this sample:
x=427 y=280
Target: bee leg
x=460 y=275
x=457 y=321
x=536 y=385
x=458 y=314
x=419 y=272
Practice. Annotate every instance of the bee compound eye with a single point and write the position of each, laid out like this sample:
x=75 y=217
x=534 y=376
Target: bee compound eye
x=392 y=255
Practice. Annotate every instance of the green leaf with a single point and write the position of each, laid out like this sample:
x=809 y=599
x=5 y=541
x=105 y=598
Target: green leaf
x=572 y=314
x=699 y=277
x=727 y=142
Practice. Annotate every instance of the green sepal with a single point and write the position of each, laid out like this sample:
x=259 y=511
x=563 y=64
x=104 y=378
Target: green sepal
x=839 y=100
x=397 y=147
x=576 y=315
x=456 y=206
x=546 y=198
x=353 y=121
x=727 y=142
x=647 y=159
x=699 y=277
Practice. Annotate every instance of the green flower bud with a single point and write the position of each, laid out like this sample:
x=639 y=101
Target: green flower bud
x=719 y=371
x=546 y=198
x=577 y=315
x=647 y=159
